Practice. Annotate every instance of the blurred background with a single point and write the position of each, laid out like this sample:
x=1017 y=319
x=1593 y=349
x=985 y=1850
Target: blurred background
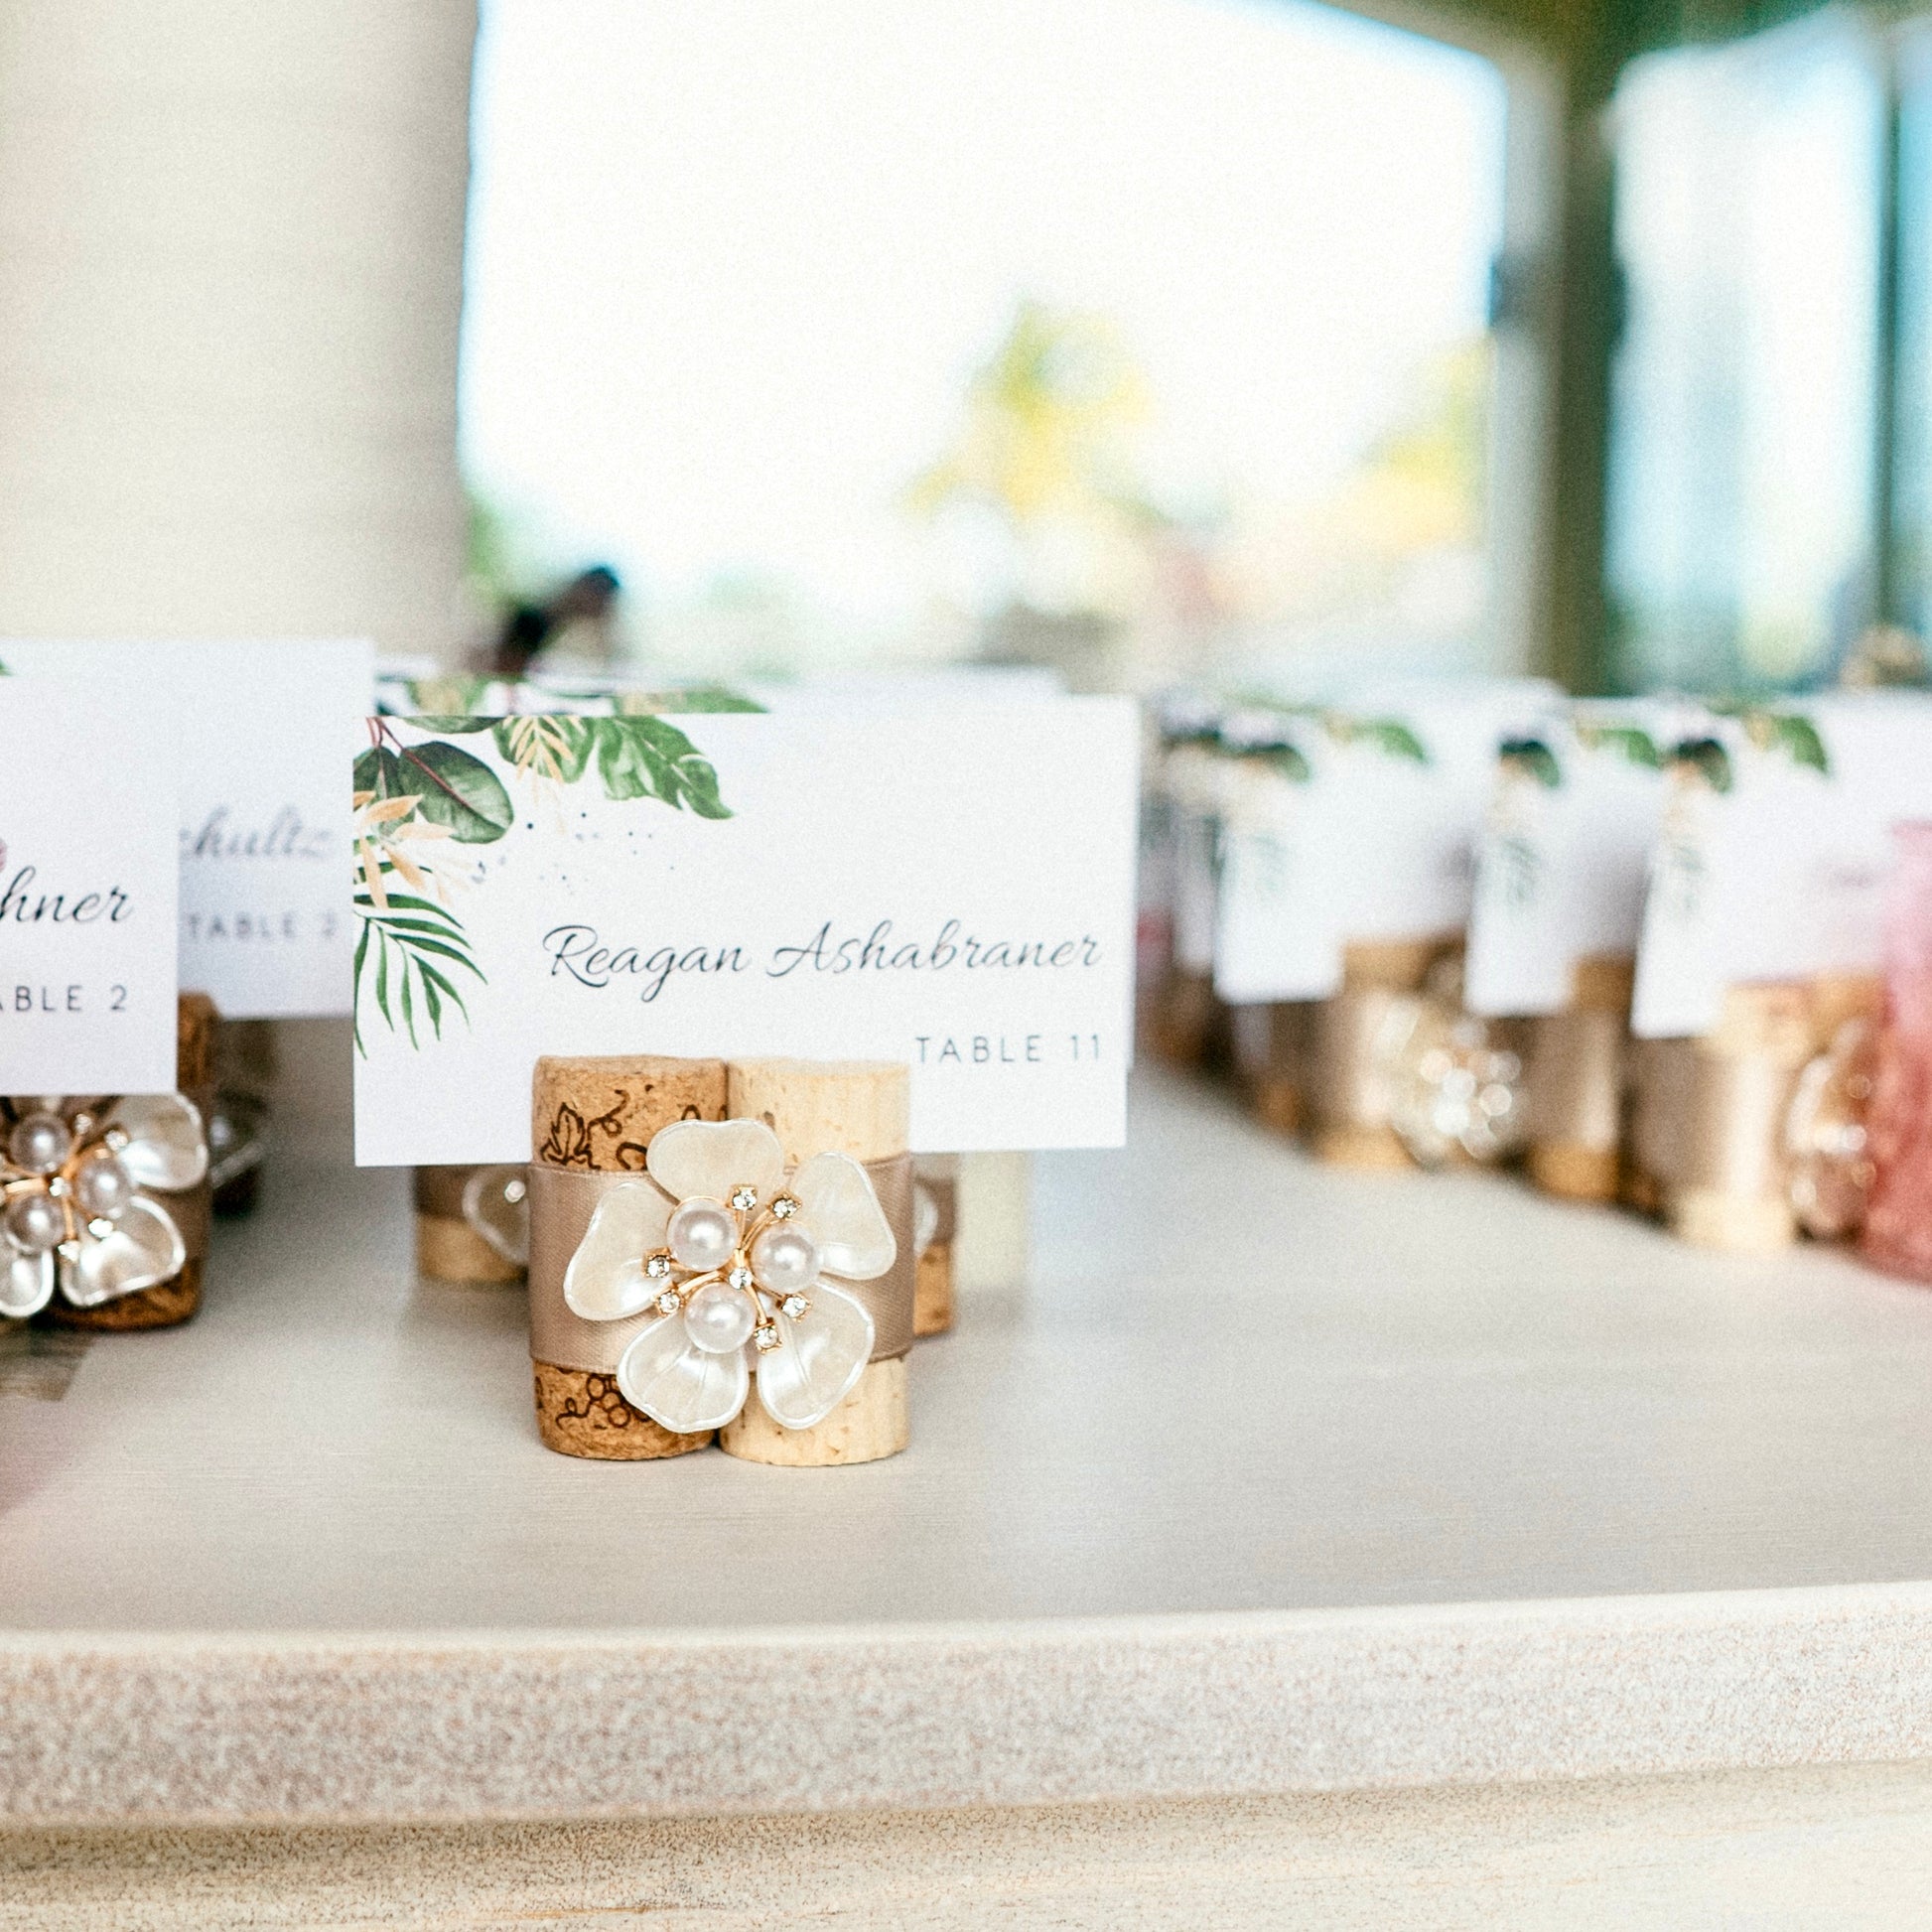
x=1242 y=342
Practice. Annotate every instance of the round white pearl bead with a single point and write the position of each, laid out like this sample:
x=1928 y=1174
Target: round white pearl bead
x=784 y=1258
x=719 y=1320
x=702 y=1235
x=102 y=1187
x=37 y=1223
x=39 y=1143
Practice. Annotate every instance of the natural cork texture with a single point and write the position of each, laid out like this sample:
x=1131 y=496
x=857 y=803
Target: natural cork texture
x=598 y=1115
x=453 y=1251
x=1348 y=1101
x=1732 y=1194
x=1188 y=1024
x=1593 y=1036
x=1574 y=1173
x=172 y=1302
x=1737 y=1198
x=932 y=1299
x=856 y=1106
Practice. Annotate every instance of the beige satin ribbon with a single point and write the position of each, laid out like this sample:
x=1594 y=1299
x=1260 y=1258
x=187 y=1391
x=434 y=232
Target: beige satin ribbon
x=1733 y=1130
x=562 y=1202
x=1350 y=1085
x=1712 y=1123
x=1574 y=1082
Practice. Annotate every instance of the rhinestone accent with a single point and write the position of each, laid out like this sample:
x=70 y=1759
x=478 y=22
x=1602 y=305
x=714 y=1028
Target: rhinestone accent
x=794 y=1306
x=69 y=1251
x=740 y=1277
x=117 y=1138
x=658 y=1268
x=60 y=1187
x=100 y=1227
x=784 y=1207
x=668 y=1303
x=745 y=1198
x=766 y=1337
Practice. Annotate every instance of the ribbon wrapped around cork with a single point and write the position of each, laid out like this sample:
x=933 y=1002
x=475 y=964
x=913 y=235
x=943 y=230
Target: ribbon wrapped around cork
x=104 y=1198
x=721 y=1252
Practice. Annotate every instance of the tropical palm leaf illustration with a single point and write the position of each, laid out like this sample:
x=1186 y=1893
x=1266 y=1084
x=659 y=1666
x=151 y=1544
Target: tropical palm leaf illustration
x=412 y=950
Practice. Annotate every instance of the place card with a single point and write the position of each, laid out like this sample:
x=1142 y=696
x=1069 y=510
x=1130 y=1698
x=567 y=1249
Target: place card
x=263 y=848
x=87 y=889
x=1774 y=847
x=951 y=888
x=1341 y=825
x=1573 y=811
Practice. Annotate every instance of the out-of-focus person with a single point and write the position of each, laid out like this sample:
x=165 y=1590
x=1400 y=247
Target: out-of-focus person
x=571 y=627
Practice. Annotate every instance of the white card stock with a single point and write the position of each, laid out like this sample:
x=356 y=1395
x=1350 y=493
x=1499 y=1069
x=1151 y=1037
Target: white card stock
x=1573 y=811
x=951 y=888
x=260 y=777
x=88 y=882
x=1355 y=826
x=1774 y=848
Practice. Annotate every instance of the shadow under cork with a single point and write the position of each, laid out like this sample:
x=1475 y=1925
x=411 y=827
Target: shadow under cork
x=40 y=1363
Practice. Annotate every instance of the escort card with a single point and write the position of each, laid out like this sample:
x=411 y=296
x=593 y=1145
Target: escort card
x=87 y=889
x=263 y=849
x=1574 y=810
x=949 y=888
x=1774 y=847
x=1355 y=824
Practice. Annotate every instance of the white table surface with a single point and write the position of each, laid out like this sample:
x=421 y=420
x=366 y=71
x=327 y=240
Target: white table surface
x=1273 y=1478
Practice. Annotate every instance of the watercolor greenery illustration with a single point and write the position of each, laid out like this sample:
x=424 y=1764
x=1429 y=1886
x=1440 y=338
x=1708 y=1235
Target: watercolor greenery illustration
x=1787 y=732
x=1389 y=735
x=446 y=701
x=414 y=801
x=1531 y=758
x=1534 y=759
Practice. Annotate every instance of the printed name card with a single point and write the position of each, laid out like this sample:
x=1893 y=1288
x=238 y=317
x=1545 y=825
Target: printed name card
x=1774 y=848
x=950 y=887
x=87 y=889
x=1573 y=811
x=263 y=848
x=1356 y=824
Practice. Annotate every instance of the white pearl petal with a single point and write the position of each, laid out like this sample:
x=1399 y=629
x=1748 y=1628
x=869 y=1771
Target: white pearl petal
x=680 y=1387
x=167 y=1146
x=605 y=1281
x=819 y=1358
x=25 y=1281
x=497 y=1204
x=144 y=1250
x=843 y=1215
x=711 y=1156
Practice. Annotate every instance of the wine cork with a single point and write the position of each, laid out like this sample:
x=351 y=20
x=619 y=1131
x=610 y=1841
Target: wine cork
x=859 y=1108
x=1838 y=997
x=1574 y=1082
x=1731 y=1192
x=1281 y=1092
x=1190 y=1025
x=171 y=1301
x=1348 y=1097
x=598 y=1115
x=447 y=1248
x=453 y=1251
x=936 y=1181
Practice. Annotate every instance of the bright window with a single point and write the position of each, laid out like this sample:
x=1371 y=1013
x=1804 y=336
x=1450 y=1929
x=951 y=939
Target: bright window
x=858 y=329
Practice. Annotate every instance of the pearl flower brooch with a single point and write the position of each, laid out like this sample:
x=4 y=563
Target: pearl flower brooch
x=735 y=1257
x=75 y=1204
